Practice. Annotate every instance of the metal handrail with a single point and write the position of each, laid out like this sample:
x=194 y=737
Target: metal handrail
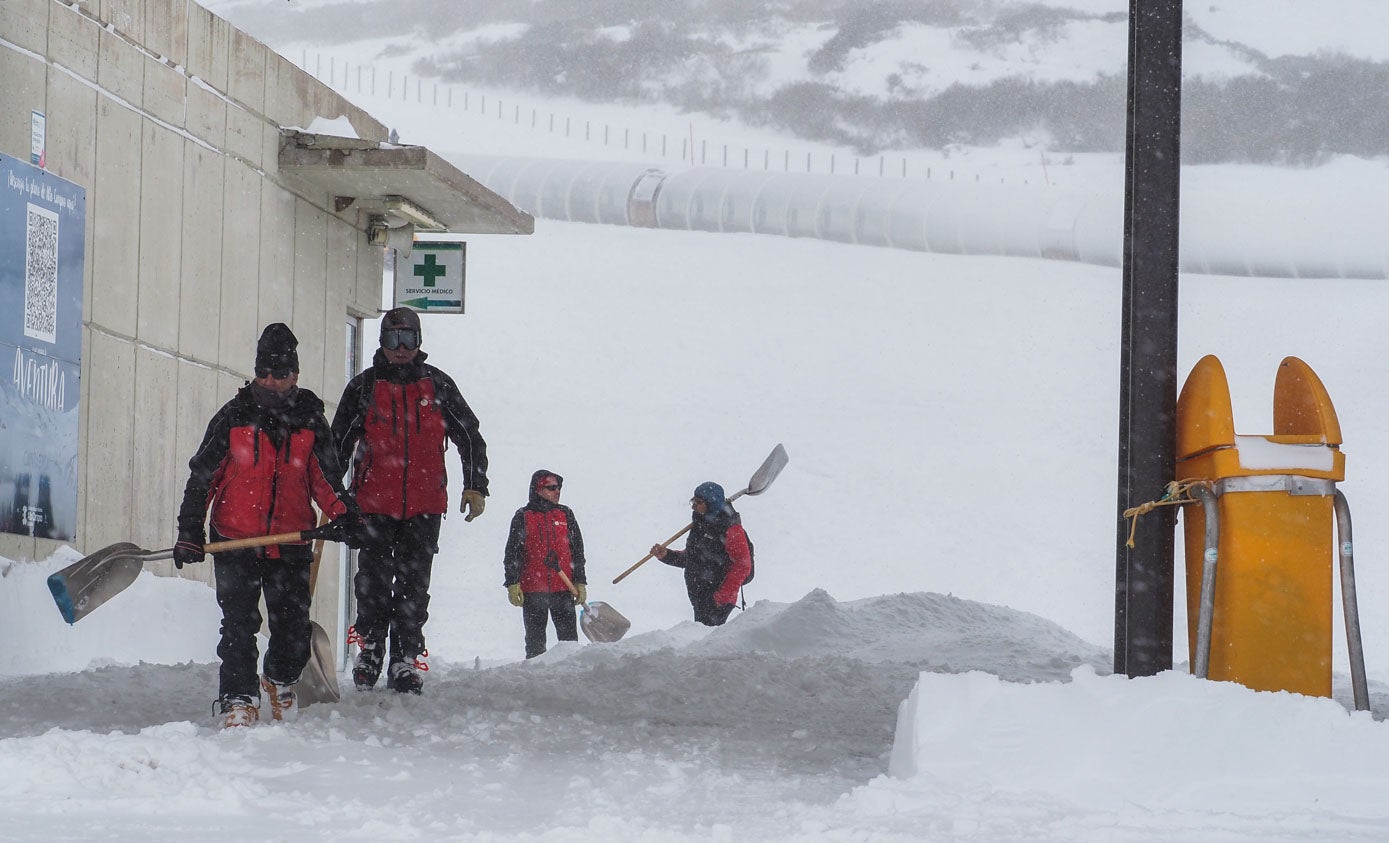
x=1354 y=647
x=1206 y=618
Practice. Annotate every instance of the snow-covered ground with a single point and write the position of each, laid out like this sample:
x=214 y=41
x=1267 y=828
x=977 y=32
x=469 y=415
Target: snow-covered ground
x=948 y=508
x=811 y=720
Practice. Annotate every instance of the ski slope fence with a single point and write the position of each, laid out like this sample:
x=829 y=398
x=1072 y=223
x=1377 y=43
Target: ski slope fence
x=1291 y=237
x=1239 y=225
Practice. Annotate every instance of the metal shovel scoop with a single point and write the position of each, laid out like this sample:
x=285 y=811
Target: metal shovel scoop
x=601 y=623
x=97 y=577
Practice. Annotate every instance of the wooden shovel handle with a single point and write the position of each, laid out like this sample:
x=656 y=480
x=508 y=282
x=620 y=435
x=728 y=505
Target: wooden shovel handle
x=642 y=561
x=567 y=584
x=257 y=541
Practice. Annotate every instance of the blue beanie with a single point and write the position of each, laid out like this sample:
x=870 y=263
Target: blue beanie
x=712 y=494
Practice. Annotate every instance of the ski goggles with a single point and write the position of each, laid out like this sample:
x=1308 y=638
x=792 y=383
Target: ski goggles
x=278 y=374
x=406 y=338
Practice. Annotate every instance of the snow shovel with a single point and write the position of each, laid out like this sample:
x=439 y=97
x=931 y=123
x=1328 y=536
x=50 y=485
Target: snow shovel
x=319 y=681
x=761 y=479
x=601 y=623
x=97 y=577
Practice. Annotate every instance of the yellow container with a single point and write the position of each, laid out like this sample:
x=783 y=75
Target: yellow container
x=1272 y=611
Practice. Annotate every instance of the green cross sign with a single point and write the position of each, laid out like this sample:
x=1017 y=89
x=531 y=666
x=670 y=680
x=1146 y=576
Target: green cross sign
x=433 y=278
x=430 y=270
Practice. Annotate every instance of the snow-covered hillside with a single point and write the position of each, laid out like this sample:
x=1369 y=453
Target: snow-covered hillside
x=1301 y=80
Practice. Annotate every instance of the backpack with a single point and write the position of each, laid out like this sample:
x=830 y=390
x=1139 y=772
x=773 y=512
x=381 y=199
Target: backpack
x=752 y=560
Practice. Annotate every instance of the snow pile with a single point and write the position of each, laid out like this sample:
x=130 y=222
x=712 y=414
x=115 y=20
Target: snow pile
x=1109 y=758
x=778 y=726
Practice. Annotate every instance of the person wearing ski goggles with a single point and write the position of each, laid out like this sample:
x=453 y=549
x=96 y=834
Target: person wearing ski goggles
x=391 y=427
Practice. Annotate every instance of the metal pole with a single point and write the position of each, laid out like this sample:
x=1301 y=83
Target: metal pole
x=1148 y=357
x=1210 y=557
x=1350 y=607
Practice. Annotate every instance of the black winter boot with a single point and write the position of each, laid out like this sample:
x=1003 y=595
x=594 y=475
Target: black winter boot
x=368 y=666
x=405 y=679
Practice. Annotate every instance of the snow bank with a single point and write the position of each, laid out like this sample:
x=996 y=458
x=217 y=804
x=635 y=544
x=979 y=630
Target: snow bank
x=1162 y=746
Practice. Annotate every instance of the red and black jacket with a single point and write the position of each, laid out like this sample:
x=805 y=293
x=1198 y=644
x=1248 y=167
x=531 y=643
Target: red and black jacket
x=716 y=557
x=260 y=469
x=392 y=427
x=543 y=532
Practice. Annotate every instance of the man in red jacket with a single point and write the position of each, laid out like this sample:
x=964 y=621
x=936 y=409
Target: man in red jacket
x=543 y=541
x=266 y=458
x=392 y=426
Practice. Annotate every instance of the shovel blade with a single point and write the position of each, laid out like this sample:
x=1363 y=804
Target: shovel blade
x=768 y=471
x=92 y=580
x=319 y=682
x=602 y=623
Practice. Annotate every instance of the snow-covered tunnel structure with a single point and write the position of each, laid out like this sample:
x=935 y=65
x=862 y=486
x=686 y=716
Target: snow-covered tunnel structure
x=1289 y=235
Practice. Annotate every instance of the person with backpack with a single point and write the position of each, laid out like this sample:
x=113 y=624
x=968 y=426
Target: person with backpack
x=717 y=557
x=392 y=426
x=545 y=540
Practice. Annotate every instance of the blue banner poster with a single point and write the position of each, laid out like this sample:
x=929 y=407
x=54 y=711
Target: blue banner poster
x=43 y=222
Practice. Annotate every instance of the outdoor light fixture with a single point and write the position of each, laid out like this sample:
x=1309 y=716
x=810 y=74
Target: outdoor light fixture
x=401 y=237
x=401 y=211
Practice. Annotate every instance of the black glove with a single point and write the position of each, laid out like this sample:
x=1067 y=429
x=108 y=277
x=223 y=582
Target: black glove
x=188 y=550
x=346 y=528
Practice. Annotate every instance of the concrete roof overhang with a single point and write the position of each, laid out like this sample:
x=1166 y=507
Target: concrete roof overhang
x=396 y=183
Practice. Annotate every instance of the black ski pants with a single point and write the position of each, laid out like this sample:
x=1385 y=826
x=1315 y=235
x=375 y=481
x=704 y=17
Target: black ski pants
x=392 y=582
x=242 y=576
x=706 y=611
x=539 y=607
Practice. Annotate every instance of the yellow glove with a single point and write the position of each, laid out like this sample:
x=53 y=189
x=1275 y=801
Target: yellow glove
x=473 y=504
x=515 y=595
x=582 y=596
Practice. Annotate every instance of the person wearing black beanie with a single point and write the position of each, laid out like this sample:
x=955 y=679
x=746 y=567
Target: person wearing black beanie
x=266 y=459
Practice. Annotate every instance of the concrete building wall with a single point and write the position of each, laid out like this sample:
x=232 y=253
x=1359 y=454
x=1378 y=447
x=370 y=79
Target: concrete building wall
x=170 y=119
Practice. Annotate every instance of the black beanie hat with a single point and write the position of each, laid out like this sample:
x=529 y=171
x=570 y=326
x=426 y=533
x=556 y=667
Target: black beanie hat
x=402 y=317
x=276 y=348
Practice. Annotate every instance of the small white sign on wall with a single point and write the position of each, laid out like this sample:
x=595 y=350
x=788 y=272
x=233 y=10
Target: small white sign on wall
x=38 y=139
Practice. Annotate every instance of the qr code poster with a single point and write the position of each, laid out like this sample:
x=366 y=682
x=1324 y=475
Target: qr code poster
x=43 y=222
